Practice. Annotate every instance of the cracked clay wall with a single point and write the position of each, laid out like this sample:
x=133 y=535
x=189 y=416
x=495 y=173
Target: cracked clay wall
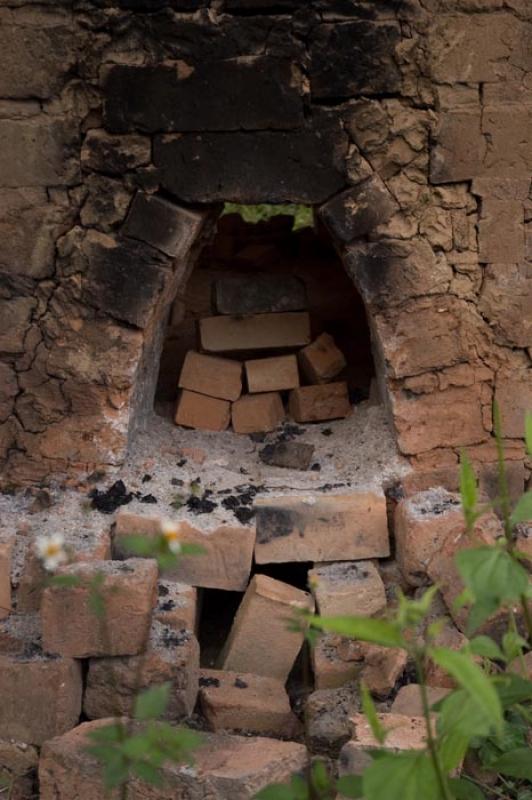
x=123 y=127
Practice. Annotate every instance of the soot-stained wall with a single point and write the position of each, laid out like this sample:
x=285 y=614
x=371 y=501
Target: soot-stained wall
x=123 y=127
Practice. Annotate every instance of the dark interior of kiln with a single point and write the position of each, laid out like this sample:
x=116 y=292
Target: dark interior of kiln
x=276 y=248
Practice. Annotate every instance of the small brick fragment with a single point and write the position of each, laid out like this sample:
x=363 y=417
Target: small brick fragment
x=328 y=715
x=319 y=403
x=383 y=666
x=204 y=413
x=288 y=455
x=18 y=767
x=171 y=657
x=257 y=332
x=349 y=587
x=69 y=624
x=260 y=640
x=408 y=699
x=321 y=361
x=404 y=733
x=226 y=767
x=211 y=375
x=272 y=374
x=257 y=413
x=423 y=522
x=41 y=696
x=325 y=528
x=259 y=293
x=336 y=661
x=246 y=702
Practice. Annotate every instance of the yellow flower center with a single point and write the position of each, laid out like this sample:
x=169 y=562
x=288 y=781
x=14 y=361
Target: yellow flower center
x=52 y=549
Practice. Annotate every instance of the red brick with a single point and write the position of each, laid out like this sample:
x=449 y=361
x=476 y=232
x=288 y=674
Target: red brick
x=347 y=587
x=246 y=702
x=321 y=528
x=69 y=624
x=272 y=374
x=321 y=361
x=404 y=733
x=171 y=657
x=258 y=413
x=383 y=666
x=408 y=699
x=257 y=332
x=204 y=413
x=41 y=697
x=319 y=403
x=225 y=767
x=260 y=640
x=211 y=375
x=336 y=661
x=177 y=605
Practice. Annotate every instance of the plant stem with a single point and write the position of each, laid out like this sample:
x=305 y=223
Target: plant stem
x=431 y=743
x=527 y=616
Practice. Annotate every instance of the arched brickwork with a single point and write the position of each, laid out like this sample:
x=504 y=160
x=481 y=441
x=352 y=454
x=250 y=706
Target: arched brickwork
x=133 y=122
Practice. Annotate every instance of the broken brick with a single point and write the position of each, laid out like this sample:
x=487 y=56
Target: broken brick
x=321 y=361
x=319 y=403
x=204 y=413
x=257 y=413
x=212 y=376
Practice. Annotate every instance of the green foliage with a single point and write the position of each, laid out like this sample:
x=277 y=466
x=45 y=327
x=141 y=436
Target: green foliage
x=303 y=215
x=404 y=776
x=377 y=631
x=468 y=491
x=368 y=707
x=317 y=785
x=157 y=547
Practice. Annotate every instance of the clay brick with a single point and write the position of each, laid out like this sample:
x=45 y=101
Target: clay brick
x=41 y=697
x=408 y=699
x=18 y=767
x=215 y=377
x=225 y=767
x=246 y=702
x=260 y=640
x=501 y=234
x=336 y=661
x=321 y=361
x=355 y=212
x=225 y=563
x=325 y=528
x=423 y=523
x=204 y=413
x=164 y=225
x=404 y=733
x=452 y=418
x=259 y=293
x=70 y=626
x=171 y=657
x=349 y=587
x=6 y=549
x=256 y=332
x=272 y=374
x=513 y=393
x=257 y=413
x=319 y=403
x=383 y=666
x=177 y=605
x=451 y=638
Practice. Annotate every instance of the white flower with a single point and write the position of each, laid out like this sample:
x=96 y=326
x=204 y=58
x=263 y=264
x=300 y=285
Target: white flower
x=170 y=532
x=51 y=551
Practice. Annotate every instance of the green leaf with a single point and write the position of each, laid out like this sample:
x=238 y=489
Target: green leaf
x=516 y=763
x=152 y=703
x=276 y=791
x=468 y=490
x=136 y=747
x=147 y=772
x=368 y=707
x=64 y=581
x=528 y=432
x=523 y=509
x=513 y=645
x=493 y=577
x=320 y=777
x=471 y=678
x=138 y=545
x=512 y=689
x=108 y=734
x=350 y=786
x=405 y=776
x=299 y=787
x=462 y=789
x=365 y=629
x=486 y=647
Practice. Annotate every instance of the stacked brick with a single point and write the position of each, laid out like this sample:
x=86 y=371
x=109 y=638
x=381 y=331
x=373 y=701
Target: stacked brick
x=262 y=315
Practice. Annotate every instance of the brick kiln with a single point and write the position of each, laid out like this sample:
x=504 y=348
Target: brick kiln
x=125 y=126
